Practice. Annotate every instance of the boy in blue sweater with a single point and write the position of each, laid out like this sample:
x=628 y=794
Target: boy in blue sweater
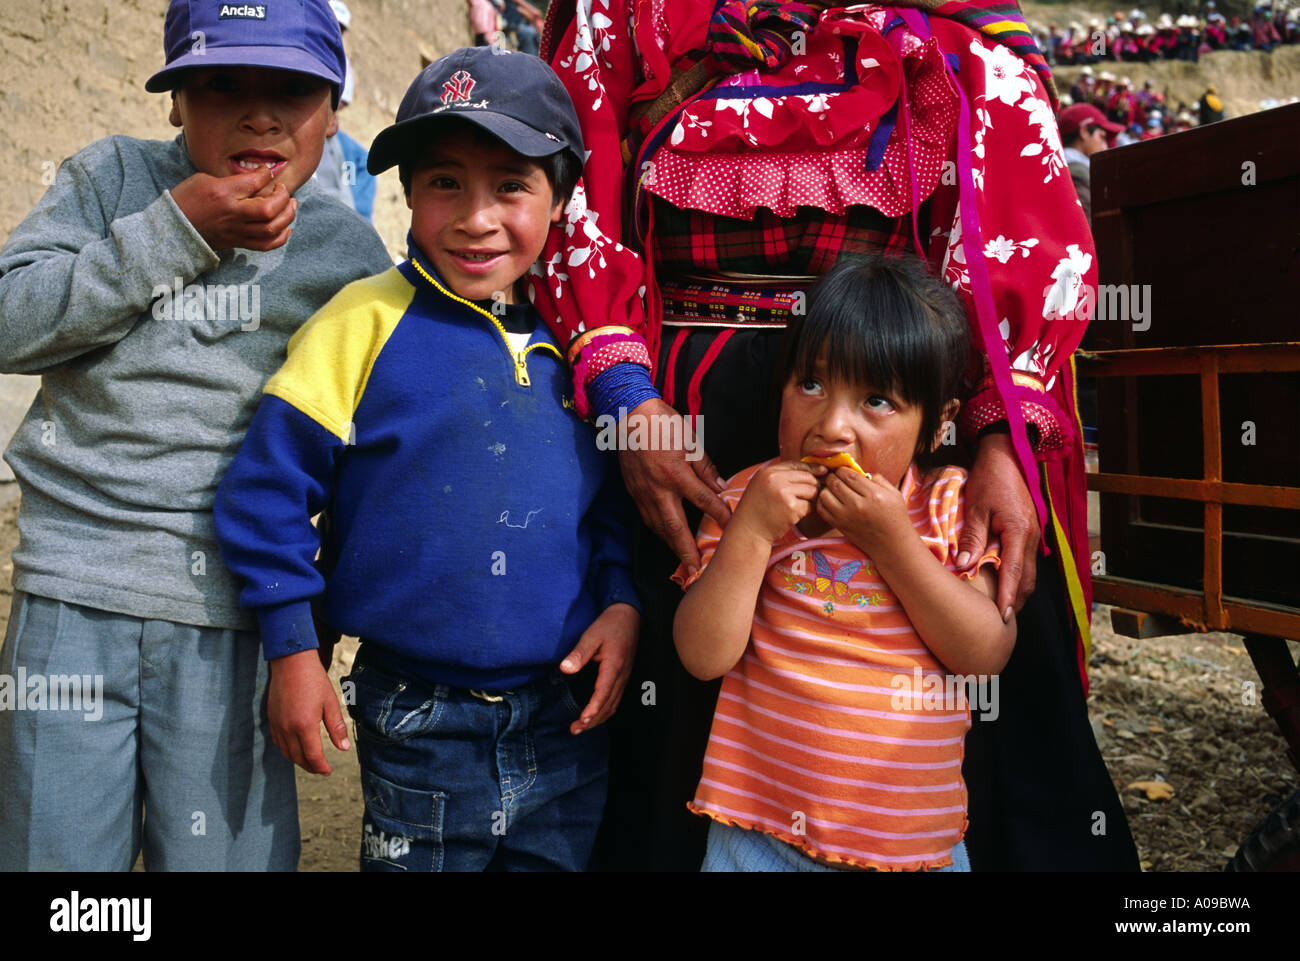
x=477 y=534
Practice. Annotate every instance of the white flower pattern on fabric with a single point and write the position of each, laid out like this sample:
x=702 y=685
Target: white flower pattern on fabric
x=1004 y=249
x=689 y=121
x=817 y=102
x=1067 y=282
x=1049 y=137
x=1005 y=78
x=983 y=122
x=578 y=216
x=954 y=258
x=591 y=37
x=1010 y=83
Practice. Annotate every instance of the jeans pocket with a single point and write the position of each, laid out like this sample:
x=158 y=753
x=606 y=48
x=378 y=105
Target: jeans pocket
x=389 y=708
x=402 y=827
x=566 y=695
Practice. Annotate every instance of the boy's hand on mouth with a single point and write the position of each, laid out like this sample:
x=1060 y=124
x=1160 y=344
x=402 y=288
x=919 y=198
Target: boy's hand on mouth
x=243 y=210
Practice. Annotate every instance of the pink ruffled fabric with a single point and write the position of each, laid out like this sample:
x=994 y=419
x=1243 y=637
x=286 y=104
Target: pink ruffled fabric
x=814 y=147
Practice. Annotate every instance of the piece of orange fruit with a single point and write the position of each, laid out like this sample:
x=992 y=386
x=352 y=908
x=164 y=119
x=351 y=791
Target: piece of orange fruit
x=838 y=460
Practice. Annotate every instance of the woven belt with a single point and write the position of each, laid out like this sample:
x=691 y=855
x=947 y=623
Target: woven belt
x=720 y=301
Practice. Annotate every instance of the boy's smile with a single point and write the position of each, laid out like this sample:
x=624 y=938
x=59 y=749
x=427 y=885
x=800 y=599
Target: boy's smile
x=481 y=212
x=237 y=119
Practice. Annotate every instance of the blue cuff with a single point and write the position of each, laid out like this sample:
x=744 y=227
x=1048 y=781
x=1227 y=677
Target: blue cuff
x=287 y=629
x=621 y=388
x=614 y=586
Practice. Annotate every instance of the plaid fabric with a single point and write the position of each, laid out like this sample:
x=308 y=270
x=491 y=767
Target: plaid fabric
x=691 y=241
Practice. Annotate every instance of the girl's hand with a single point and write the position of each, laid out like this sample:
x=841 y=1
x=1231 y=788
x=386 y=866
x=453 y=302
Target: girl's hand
x=778 y=497
x=867 y=509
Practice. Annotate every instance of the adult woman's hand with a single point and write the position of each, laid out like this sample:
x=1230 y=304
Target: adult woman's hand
x=659 y=477
x=998 y=503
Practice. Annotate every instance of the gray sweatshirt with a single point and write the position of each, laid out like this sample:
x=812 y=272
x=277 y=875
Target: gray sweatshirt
x=152 y=351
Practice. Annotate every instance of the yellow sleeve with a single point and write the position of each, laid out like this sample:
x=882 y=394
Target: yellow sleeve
x=331 y=356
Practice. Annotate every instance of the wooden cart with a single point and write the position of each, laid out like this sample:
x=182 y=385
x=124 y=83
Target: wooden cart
x=1198 y=397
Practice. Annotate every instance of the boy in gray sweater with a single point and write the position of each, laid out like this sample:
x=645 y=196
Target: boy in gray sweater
x=154 y=288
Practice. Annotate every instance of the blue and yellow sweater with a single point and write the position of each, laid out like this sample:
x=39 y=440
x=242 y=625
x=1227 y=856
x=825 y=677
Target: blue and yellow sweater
x=475 y=528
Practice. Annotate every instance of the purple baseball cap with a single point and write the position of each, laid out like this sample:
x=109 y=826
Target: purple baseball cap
x=514 y=96
x=298 y=35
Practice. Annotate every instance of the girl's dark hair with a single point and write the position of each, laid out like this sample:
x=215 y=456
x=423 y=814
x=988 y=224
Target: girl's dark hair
x=888 y=322
x=562 y=169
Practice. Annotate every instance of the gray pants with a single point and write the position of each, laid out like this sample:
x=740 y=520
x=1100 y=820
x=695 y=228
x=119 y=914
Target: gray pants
x=118 y=733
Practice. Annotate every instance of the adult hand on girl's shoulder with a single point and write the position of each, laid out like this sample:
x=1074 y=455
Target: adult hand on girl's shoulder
x=300 y=697
x=659 y=479
x=777 y=497
x=998 y=504
x=866 y=509
x=611 y=641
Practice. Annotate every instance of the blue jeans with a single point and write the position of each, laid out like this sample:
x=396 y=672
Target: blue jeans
x=456 y=780
x=738 y=849
x=165 y=746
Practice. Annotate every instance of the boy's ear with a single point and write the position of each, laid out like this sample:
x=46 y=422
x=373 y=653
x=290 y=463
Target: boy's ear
x=333 y=126
x=948 y=415
x=175 y=116
x=557 y=212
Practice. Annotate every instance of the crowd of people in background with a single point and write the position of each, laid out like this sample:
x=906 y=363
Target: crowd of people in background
x=1133 y=38
x=1143 y=114
x=516 y=23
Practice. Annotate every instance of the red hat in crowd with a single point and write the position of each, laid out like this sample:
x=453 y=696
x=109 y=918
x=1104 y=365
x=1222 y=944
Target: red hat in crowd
x=1081 y=115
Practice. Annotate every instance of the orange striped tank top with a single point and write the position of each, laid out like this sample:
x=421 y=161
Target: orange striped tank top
x=838 y=731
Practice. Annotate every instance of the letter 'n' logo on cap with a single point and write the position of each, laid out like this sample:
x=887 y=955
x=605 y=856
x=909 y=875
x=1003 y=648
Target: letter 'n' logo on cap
x=458 y=87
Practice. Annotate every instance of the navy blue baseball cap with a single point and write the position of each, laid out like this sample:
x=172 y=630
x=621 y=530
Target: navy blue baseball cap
x=298 y=35
x=514 y=96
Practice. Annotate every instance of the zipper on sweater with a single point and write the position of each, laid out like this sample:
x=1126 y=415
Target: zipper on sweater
x=520 y=358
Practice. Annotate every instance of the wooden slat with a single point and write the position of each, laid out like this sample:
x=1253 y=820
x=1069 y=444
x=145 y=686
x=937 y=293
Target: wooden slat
x=1145 y=624
x=1187 y=489
x=1212 y=555
x=1233 y=359
x=1238 y=615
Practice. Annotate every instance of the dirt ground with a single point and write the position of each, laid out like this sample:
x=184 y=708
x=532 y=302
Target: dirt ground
x=1173 y=709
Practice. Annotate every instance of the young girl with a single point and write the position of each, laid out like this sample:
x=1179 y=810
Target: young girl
x=831 y=603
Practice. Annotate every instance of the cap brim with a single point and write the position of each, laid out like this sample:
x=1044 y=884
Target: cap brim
x=395 y=143
x=274 y=58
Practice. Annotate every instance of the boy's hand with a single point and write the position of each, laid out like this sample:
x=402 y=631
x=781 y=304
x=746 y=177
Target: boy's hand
x=867 y=509
x=778 y=497
x=611 y=640
x=242 y=210
x=300 y=697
